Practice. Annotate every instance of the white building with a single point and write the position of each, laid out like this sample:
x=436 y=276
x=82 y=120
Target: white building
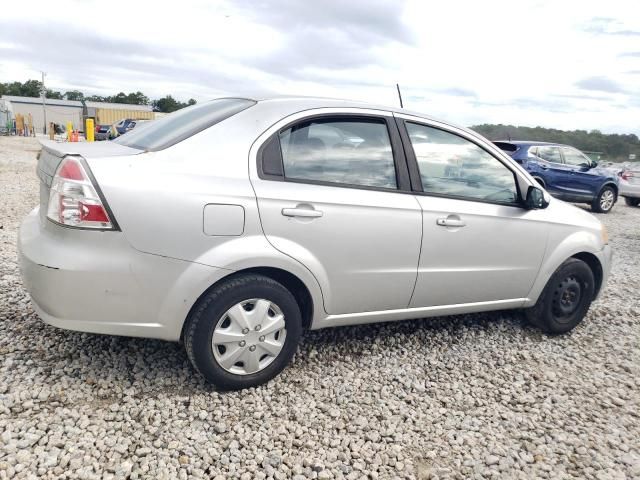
x=58 y=111
x=63 y=111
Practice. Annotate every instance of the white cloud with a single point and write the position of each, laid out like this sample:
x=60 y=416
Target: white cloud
x=572 y=64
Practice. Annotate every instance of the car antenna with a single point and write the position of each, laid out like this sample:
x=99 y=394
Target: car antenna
x=399 y=95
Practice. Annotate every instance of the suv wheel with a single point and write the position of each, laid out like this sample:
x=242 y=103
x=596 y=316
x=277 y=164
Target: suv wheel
x=605 y=200
x=632 y=202
x=565 y=299
x=243 y=332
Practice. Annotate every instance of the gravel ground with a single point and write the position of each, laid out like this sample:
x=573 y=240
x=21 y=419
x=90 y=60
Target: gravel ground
x=473 y=396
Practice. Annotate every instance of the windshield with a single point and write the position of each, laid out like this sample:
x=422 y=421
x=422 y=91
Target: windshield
x=175 y=127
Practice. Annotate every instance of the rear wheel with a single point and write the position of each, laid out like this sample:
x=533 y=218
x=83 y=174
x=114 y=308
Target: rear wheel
x=632 y=202
x=243 y=332
x=605 y=200
x=565 y=299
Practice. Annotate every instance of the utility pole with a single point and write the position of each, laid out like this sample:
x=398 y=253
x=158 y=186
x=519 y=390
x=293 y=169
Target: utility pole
x=399 y=95
x=44 y=108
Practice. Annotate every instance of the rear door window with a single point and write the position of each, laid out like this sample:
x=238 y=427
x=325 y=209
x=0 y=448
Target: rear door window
x=342 y=151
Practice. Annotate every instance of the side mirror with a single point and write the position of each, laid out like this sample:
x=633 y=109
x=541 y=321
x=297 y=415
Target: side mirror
x=536 y=199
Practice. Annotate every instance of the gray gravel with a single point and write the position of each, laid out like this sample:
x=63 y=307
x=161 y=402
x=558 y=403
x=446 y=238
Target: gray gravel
x=473 y=396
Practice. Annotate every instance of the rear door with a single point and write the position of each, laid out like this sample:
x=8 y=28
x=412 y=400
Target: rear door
x=333 y=193
x=556 y=174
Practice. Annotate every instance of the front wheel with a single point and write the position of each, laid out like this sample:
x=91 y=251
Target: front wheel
x=243 y=332
x=605 y=200
x=632 y=202
x=565 y=299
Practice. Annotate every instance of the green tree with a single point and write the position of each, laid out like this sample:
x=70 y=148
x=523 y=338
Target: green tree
x=96 y=98
x=614 y=146
x=166 y=104
x=31 y=88
x=137 y=98
x=74 y=95
x=54 y=94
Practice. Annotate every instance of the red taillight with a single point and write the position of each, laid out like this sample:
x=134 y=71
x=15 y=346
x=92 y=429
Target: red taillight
x=626 y=175
x=97 y=128
x=71 y=171
x=93 y=213
x=74 y=200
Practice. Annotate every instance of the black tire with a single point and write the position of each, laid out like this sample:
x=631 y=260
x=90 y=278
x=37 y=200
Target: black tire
x=214 y=304
x=632 y=202
x=551 y=313
x=597 y=205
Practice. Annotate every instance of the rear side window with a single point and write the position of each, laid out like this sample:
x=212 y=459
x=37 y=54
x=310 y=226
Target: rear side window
x=184 y=123
x=453 y=166
x=343 y=151
x=509 y=148
x=550 y=154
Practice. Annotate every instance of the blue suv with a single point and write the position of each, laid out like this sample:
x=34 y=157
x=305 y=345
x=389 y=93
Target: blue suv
x=566 y=173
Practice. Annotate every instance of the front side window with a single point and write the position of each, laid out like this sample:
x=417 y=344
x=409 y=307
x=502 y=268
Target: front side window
x=575 y=157
x=343 y=151
x=550 y=154
x=453 y=166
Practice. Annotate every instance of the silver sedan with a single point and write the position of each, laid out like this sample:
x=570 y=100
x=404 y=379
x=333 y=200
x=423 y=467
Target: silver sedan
x=235 y=224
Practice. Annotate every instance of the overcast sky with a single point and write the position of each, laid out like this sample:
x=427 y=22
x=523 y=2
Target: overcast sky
x=563 y=64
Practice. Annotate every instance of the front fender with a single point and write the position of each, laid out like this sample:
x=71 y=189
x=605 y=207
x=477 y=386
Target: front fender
x=561 y=246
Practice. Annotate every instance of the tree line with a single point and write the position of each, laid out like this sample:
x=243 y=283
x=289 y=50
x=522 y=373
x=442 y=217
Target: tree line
x=615 y=146
x=33 y=88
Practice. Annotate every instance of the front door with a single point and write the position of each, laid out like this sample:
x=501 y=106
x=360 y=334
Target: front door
x=479 y=244
x=557 y=175
x=583 y=180
x=339 y=208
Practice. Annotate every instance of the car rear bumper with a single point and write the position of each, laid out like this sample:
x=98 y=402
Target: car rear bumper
x=96 y=282
x=630 y=190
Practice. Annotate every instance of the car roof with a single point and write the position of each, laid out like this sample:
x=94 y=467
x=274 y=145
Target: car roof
x=300 y=103
x=329 y=102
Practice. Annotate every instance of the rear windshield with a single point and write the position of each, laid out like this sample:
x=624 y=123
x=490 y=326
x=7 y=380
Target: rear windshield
x=175 y=127
x=507 y=147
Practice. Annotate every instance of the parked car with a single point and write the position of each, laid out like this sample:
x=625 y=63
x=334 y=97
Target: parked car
x=125 y=125
x=102 y=132
x=566 y=173
x=235 y=224
x=630 y=184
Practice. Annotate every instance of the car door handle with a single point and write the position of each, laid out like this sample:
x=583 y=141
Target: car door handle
x=544 y=167
x=450 y=222
x=301 y=212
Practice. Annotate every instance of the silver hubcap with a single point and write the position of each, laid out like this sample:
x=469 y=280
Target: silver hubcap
x=249 y=336
x=606 y=200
